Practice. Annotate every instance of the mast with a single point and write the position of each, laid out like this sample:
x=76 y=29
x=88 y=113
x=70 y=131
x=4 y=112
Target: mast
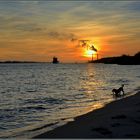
x=92 y=57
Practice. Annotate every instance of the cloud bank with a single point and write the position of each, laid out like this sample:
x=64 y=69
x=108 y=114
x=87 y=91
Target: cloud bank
x=41 y=25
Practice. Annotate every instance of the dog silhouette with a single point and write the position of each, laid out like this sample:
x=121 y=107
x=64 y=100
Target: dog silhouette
x=117 y=92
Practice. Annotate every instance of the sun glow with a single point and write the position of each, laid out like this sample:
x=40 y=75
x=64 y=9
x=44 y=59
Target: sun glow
x=89 y=53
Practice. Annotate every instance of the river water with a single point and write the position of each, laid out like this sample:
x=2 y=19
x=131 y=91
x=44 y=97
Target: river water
x=38 y=97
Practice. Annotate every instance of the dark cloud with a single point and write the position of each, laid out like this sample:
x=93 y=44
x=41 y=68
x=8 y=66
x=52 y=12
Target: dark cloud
x=31 y=27
x=60 y=35
x=12 y=19
x=21 y=27
x=134 y=6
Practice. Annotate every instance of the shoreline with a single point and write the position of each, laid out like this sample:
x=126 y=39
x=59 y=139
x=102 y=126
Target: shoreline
x=118 y=119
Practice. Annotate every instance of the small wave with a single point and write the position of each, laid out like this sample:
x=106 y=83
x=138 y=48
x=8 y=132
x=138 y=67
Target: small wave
x=103 y=88
x=79 y=96
x=137 y=89
x=47 y=125
x=120 y=81
x=2 y=92
x=44 y=101
x=94 y=100
x=71 y=106
x=54 y=101
x=7 y=110
x=35 y=107
x=31 y=90
x=12 y=113
x=2 y=128
x=84 y=78
x=6 y=116
x=83 y=89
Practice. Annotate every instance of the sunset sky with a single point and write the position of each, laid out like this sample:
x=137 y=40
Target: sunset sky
x=39 y=30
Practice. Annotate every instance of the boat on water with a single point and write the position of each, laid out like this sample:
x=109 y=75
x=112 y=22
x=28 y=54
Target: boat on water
x=55 y=60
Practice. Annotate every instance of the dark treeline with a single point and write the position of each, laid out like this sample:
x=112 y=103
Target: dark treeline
x=121 y=60
x=18 y=62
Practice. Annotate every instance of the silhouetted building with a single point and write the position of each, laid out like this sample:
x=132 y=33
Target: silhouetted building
x=55 y=60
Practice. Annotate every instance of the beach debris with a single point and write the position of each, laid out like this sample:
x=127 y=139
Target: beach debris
x=103 y=131
x=119 y=117
x=115 y=124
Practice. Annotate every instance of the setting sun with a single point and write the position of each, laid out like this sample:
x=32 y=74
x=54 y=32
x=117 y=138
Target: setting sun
x=89 y=53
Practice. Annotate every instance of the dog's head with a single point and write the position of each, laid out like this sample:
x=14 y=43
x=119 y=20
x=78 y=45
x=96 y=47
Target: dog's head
x=113 y=90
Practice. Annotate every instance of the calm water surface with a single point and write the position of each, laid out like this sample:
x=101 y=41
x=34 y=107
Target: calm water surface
x=41 y=96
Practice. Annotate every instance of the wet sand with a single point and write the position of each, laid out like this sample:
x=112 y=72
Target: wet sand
x=118 y=119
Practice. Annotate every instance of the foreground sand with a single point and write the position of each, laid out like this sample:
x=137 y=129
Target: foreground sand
x=119 y=119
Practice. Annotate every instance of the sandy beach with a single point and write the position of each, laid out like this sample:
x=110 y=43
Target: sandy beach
x=118 y=119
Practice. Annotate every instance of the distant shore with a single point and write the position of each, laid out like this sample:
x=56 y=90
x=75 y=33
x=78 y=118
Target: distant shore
x=118 y=119
x=121 y=60
x=21 y=62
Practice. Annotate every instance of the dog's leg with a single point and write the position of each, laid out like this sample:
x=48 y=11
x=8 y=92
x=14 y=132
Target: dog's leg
x=123 y=92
